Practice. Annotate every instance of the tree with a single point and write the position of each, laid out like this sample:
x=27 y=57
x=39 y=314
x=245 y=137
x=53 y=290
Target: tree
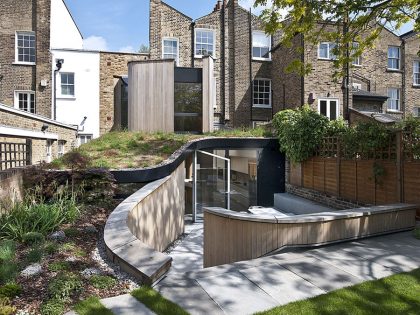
x=144 y=49
x=344 y=22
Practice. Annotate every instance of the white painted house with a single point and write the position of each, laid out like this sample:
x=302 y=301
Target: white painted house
x=76 y=92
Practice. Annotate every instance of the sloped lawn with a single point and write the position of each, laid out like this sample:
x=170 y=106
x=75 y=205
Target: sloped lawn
x=395 y=295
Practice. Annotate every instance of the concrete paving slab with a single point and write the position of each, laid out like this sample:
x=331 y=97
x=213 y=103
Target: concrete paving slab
x=324 y=276
x=189 y=295
x=283 y=285
x=126 y=305
x=403 y=237
x=357 y=266
x=235 y=294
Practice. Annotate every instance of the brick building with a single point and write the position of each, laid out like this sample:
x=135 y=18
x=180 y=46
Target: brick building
x=233 y=36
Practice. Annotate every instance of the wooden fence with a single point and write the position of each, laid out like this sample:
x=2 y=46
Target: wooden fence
x=385 y=176
x=15 y=154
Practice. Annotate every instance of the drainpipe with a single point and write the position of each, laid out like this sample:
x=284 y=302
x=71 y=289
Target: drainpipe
x=403 y=77
x=250 y=65
x=192 y=43
x=59 y=64
x=223 y=65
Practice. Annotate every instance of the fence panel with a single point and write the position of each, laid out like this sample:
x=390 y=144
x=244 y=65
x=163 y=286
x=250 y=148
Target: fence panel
x=348 y=180
x=15 y=154
x=411 y=170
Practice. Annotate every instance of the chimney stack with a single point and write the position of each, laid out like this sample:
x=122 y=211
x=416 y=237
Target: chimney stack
x=218 y=6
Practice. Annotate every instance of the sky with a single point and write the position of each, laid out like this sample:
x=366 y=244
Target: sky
x=123 y=25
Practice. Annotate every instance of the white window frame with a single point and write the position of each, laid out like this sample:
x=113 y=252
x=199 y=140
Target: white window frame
x=61 y=148
x=269 y=46
x=270 y=96
x=85 y=135
x=195 y=41
x=177 y=48
x=328 y=100
x=17 y=33
x=61 y=84
x=16 y=99
x=357 y=61
x=416 y=72
x=48 y=151
x=399 y=58
x=397 y=100
x=329 y=57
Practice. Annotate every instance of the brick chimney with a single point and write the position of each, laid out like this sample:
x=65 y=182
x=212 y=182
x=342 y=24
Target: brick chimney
x=155 y=29
x=218 y=6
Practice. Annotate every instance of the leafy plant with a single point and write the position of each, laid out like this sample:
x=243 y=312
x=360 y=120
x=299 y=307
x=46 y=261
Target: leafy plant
x=53 y=307
x=71 y=232
x=7 y=250
x=417 y=233
x=299 y=132
x=34 y=255
x=51 y=247
x=64 y=285
x=32 y=238
x=10 y=290
x=59 y=266
x=8 y=267
x=102 y=282
x=5 y=307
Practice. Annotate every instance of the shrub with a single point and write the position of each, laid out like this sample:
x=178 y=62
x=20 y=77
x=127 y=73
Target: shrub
x=299 y=132
x=5 y=307
x=34 y=255
x=102 y=282
x=59 y=266
x=31 y=238
x=50 y=248
x=76 y=160
x=7 y=250
x=8 y=271
x=10 y=290
x=53 y=307
x=417 y=233
x=64 y=285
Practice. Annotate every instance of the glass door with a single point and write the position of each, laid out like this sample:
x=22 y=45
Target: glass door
x=211 y=186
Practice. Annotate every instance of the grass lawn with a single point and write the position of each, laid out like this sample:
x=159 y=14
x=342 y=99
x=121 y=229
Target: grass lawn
x=395 y=295
x=156 y=302
x=91 y=306
x=137 y=149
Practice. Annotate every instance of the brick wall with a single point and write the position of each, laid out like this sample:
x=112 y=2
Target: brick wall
x=23 y=15
x=111 y=65
x=412 y=93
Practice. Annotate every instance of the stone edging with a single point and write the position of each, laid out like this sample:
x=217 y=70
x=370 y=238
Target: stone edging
x=124 y=249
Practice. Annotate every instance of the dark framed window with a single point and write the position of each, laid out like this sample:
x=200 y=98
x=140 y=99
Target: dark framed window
x=261 y=95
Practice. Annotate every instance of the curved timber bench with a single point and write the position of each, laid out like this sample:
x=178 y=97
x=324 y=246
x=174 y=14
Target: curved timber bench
x=233 y=236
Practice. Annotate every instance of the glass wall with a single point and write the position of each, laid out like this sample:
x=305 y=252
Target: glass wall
x=188 y=107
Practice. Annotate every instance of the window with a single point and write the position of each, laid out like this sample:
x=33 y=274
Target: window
x=394 y=58
x=416 y=72
x=25 y=100
x=394 y=99
x=261 y=45
x=25 y=47
x=357 y=61
x=262 y=93
x=61 y=148
x=170 y=49
x=67 y=84
x=84 y=138
x=328 y=108
x=356 y=86
x=326 y=51
x=48 y=151
x=204 y=42
x=416 y=112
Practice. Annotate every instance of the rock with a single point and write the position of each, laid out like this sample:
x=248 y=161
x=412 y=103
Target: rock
x=58 y=236
x=31 y=270
x=71 y=259
x=91 y=229
x=89 y=272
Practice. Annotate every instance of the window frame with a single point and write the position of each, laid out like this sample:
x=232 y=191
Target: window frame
x=416 y=73
x=270 y=94
x=29 y=63
x=269 y=46
x=393 y=58
x=195 y=42
x=28 y=93
x=357 y=61
x=61 y=149
x=84 y=135
x=177 y=48
x=61 y=85
x=398 y=109
x=337 y=100
x=329 y=51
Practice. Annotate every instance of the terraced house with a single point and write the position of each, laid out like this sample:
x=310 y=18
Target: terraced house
x=250 y=67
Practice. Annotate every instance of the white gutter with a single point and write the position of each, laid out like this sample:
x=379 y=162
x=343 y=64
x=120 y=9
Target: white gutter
x=17 y=132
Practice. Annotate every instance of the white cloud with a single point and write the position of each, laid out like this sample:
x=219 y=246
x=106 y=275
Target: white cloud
x=127 y=49
x=95 y=43
x=247 y=4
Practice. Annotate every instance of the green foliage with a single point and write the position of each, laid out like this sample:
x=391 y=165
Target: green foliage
x=156 y=302
x=91 y=306
x=102 y=282
x=64 y=285
x=73 y=248
x=365 y=20
x=8 y=267
x=5 y=307
x=59 y=266
x=32 y=238
x=35 y=255
x=71 y=232
x=50 y=248
x=299 y=132
x=417 y=233
x=53 y=307
x=10 y=290
x=7 y=250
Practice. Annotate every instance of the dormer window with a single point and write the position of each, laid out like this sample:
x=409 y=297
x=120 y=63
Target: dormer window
x=261 y=45
x=204 y=42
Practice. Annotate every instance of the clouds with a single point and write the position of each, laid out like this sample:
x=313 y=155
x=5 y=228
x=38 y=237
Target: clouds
x=95 y=43
x=127 y=49
x=247 y=4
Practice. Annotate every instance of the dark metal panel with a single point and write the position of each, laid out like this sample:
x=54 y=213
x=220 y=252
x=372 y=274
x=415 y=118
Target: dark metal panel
x=188 y=75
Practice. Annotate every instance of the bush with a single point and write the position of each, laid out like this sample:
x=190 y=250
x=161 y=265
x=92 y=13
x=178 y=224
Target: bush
x=10 y=290
x=34 y=255
x=5 y=307
x=8 y=267
x=50 y=248
x=71 y=232
x=53 y=307
x=59 y=266
x=64 y=285
x=31 y=238
x=300 y=132
x=7 y=250
x=102 y=282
